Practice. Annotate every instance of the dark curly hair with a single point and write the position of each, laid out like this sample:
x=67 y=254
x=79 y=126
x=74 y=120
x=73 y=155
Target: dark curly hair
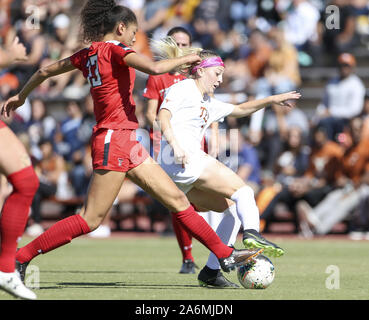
x=99 y=17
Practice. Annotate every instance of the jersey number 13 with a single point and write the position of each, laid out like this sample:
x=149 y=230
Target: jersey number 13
x=93 y=79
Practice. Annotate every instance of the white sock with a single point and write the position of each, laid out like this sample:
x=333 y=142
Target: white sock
x=247 y=209
x=212 y=218
x=227 y=231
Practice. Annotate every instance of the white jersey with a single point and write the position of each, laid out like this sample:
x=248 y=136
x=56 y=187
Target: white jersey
x=192 y=114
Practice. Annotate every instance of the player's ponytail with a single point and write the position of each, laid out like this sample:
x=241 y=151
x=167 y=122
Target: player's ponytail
x=167 y=48
x=99 y=17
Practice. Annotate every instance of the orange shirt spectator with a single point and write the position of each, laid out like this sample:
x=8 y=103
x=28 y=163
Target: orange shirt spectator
x=323 y=161
x=283 y=61
x=261 y=51
x=356 y=161
x=183 y=9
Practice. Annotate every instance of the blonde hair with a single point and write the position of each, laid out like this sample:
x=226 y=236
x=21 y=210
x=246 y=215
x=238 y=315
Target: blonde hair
x=167 y=48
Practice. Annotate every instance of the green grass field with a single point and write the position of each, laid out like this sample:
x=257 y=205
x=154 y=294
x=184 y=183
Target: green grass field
x=147 y=269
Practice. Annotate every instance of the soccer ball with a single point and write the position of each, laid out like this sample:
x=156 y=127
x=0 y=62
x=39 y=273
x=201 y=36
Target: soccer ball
x=256 y=274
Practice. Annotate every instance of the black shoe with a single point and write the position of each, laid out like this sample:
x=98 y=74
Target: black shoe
x=188 y=266
x=21 y=269
x=237 y=258
x=253 y=239
x=214 y=279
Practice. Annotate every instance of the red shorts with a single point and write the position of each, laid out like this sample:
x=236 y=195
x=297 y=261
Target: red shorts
x=116 y=150
x=2 y=124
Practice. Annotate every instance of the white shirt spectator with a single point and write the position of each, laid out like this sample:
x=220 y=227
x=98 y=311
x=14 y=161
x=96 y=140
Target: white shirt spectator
x=345 y=98
x=301 y=23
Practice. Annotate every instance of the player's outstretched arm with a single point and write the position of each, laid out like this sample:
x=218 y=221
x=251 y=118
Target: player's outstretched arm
x=37 y=78
x=249 y=107
x=146 y=65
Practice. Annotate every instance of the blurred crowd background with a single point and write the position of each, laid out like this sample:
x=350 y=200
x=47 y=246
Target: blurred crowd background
x=309 y=166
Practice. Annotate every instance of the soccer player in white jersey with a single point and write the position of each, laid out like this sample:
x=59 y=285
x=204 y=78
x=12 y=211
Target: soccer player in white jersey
x=186 y=112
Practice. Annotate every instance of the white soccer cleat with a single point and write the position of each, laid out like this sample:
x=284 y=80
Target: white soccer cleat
x=11 y=283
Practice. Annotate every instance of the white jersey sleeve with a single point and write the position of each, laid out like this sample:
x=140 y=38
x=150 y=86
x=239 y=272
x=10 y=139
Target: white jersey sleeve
x=173 y=98
x=219 y=110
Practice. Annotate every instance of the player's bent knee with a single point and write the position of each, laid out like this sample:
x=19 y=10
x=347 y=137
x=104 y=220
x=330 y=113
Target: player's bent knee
x=25 y=182
x=32 y=184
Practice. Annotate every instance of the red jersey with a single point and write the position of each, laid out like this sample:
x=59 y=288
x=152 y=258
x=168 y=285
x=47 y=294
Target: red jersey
x=2 y=124
x=156 y=86
x=111 y=82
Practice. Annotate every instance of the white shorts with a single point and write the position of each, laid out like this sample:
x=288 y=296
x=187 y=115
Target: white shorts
x=185 y=177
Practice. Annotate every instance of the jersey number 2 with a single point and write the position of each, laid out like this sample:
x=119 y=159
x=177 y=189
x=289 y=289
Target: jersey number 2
x=94 y=80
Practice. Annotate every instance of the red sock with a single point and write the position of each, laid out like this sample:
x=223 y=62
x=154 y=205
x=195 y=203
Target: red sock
x=199 y=228
x=14 y=215
x=58 y=235
x=184 y=239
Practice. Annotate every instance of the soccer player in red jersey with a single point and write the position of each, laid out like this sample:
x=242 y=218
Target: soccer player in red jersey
x=109 y=65
x=15 y=164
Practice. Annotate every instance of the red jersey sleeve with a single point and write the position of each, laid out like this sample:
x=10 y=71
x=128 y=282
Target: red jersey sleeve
x=151 y=90
x=79 y=58
x=119 y=51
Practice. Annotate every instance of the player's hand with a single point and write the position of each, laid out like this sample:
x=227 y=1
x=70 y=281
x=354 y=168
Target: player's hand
x=283 y=99
x=11 y=105
x=18 y=50
x=180 y=156
x=193 y=59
